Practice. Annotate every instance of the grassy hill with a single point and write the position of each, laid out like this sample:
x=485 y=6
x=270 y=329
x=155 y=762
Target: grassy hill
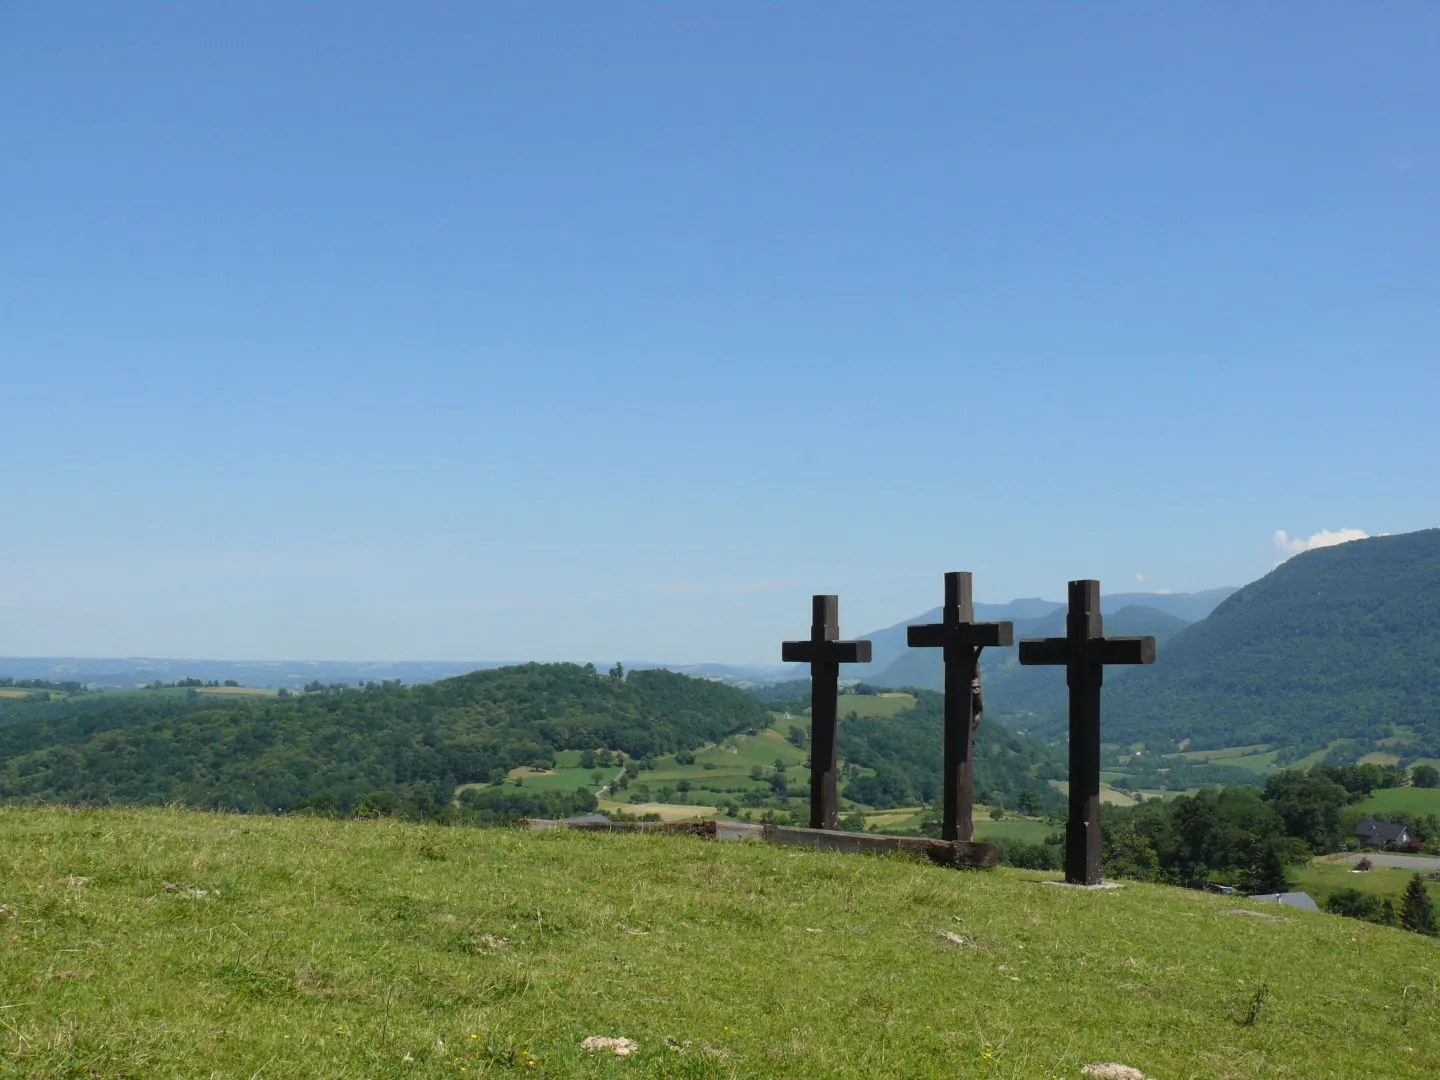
x=1341 y=643
x=158 y=944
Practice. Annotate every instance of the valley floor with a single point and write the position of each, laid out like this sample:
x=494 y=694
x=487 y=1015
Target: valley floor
x=173 y=944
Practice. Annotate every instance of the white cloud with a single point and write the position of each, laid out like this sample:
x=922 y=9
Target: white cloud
x=1139 y=577
x=1289 y=545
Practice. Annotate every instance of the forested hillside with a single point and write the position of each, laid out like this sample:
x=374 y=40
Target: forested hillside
x=1340 y=642
x=406 y=748
x=906 y=753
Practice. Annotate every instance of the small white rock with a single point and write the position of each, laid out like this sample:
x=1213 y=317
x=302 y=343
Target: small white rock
x=619 y=1047
x=1109 y=1070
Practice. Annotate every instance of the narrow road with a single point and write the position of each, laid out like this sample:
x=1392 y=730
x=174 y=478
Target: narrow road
x=613 y=781
x=1423 y=863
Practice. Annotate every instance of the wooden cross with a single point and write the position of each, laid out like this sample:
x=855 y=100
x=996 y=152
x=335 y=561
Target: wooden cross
x=824 y=652
x=962 y=638
x=1085 y=650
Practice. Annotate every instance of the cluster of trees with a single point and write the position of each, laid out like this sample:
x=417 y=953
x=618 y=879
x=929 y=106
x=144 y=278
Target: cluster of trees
x=63 y=686
x=505 y=805
x=1239 y=836
x=408 y=748
x=1415 y=913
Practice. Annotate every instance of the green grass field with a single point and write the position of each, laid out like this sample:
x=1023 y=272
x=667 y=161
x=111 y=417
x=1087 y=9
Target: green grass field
x=165 y=944
x=1108 y=795
x=1380 y=757
x=1222 y=754
x=1256 y=763
x=237 y=691
x=1032 y=832
x=881 y=705
x=1418 y=801
x=1321 y=877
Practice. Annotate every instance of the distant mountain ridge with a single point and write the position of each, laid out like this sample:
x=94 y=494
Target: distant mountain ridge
x=1016 y=691
x=889 y=645
x=1340 y=642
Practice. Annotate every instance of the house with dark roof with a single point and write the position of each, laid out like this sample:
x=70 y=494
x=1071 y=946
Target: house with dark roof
x=1380 y=834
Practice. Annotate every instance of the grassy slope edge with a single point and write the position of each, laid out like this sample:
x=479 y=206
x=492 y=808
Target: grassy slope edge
x=154 y=943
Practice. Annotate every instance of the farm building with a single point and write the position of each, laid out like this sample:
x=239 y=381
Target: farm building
x=1379 y=834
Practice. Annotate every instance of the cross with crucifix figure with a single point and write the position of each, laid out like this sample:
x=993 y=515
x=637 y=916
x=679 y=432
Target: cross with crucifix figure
x=1084 y=651
x=962 y=638
x=824 y=652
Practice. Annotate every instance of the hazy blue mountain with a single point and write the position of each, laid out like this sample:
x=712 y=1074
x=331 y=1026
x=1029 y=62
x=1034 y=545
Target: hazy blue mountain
x=888 y=645
x=1014 y=690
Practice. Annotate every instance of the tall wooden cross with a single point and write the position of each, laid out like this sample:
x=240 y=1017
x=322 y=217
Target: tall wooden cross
x=962 y=638
x=824 y=652
x=1084 y=651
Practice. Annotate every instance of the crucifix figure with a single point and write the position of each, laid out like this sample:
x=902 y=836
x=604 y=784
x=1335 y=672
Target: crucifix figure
x=1084 y=651
x=824 y=652
x=962 y=638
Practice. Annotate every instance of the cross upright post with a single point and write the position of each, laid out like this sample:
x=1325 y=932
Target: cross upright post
x=1084 y=651
x=824 y=652
x=961 y=638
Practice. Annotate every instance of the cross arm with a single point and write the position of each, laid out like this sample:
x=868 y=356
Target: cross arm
x=833 y=652
x=938 y=635
x=1108 y=650
x=1123 y=650
x=1050 y=650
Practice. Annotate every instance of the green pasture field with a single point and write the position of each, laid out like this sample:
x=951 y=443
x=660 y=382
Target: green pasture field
x=902 y=817
x=562 y=779
x=1380 y=757
x=1221 y=754
x=666 y=811
x=881 y=705
x=1321 y=877
x=1256 y=763
x=1026 y=829
x=1417 y=801
x=236 y=691
x=166 y=944
x=1312 y=759
x=1108 y=795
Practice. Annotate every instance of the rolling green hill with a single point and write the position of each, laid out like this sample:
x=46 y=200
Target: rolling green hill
x=1340 y=643
x=395 y=748
x=164 y=945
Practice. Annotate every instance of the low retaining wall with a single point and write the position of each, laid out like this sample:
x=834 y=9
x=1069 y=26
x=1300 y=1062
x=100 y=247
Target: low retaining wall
x=969 y=855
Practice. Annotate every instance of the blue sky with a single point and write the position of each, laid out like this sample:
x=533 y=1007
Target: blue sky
x=582 y=330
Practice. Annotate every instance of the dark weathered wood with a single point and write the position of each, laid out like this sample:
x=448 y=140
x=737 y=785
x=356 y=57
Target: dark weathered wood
x=1113 y=650
x=1084 y=651
x=824 y=653
x=962 y=638
x=947 y=853
x=844 y=652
